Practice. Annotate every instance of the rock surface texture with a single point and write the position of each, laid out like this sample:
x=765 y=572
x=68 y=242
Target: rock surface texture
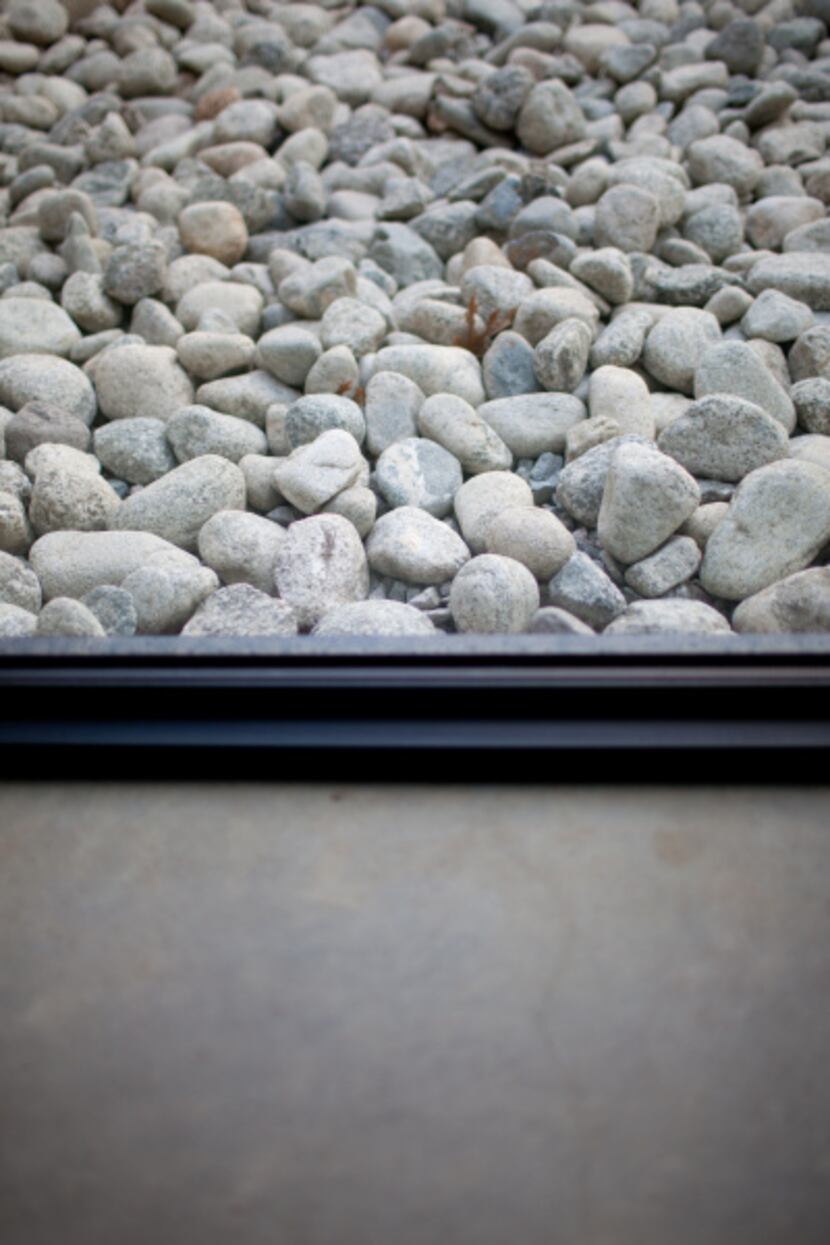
x=475 y=316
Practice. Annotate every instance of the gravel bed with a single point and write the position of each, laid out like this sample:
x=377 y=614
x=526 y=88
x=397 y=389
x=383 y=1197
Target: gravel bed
x=419 y=317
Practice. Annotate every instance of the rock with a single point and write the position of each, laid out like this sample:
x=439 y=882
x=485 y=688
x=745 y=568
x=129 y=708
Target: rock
x=740 y=45
x=64 y=616
x=618 y=394
x=15 y=530
x=703 y=522
x=312 y=415
x=144 y=381
x=176 y=506
x=606 y=270
x=114 y=608
x=500 y=96
x=73 y=563
x=19 y=585
x=241 y=610
x=454 y=424
x=734 y=368
x=216 y=229
x=647 y=497
x=585 y=591
x=193 y=431
x=35 y=326
x=673 y=564
x=804 y=276
x=241 y=548
x=553 y=621
x=16 y=622
x=493 y=595
x=814 y=448
x=560 y=358
x=724 y=159
x=722 y=437
x=44 y=378
x=419 y=472
x=776 y=318
x=627 y=218
x=507 y=367
x=812 y=404
x=435 y=369
x=481 y=498
x=400 y=251
x=550 y=117
x=778 y=520
x=135 y=271
x=810 y=354
x=317 y=471
x=411 y=545
x=800 y=603
x=656 y=617
x=676 y=344
x=533 y=424
x=391 y=410
x=718 y=229
x=582 y=482
x=135 y=450
x=211 y=355
x=71 y=500
x=321 y=564
x=374 y=618
x=534 y=537
x=358 y=504
x=242 y=303
x=147 y=71
x=155 y=323
x=770 y=219
x=288 y=352
x=42 y=22
x=39 y=423
x=349 y=322
x=84 y=299
x=247 y=397
x=166 y=590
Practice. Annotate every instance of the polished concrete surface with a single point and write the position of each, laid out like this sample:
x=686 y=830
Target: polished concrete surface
x=281 y=1015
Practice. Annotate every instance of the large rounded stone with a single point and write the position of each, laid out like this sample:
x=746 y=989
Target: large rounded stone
x=241 y=610
x=435 y=369
x=734 y=368
x=35 y=326
x=143 y=381
x=647 y=497
x=457 y=426
x=481 y=498
x=419 y=472
x=550 y=118
x=493 y=595
x=321 y=564
x=724 y=438
x=532 y=536
x=374 y=618
x=216 y=229
x=777 y=522
x=45 y=378
x=176 y=506
x=531 y=424
x=677 y=343
x=241 y=548
x=70 y=564
x=41 y=423
x=409 y=544
x=799 y=603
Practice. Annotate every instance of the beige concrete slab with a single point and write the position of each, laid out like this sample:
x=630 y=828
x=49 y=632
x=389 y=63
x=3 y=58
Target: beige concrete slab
x=414 y=1016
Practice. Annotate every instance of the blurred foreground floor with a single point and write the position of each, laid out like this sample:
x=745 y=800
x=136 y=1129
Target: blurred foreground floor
x=279 y=1015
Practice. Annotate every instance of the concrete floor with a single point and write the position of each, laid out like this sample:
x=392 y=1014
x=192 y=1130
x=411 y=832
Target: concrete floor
x=276 y=1015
